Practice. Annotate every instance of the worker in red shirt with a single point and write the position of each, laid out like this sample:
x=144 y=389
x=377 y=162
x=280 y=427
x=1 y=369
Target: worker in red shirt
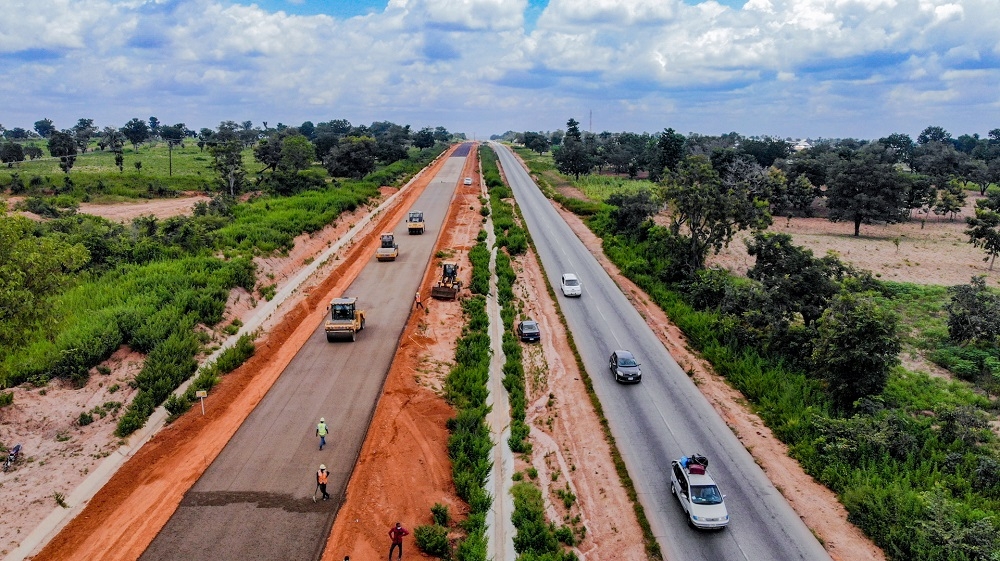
x=396 y=534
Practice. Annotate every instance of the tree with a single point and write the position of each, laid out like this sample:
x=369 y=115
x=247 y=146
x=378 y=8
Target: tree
x=114 y=140
x=864 y=190
x=796 y=281
x=765 y=150
x=297 y=154
x=573 y=130
x=536 y=142
x=441 y=134
x=308 y=130
x=933 y=134
x=154 y=126
x=669 y=152
x=227 y=160
x=32 y=269
x=572 y=157
x=11 y=153
x=708 y=212
x=631 y=211
x=901 y=145
x=353 y=157
x=82 y=131
x=33 y=152
x=136 y=131
x=424 y=138
x=16 y=133
x=939 y=160
x=44 y=128
x=62 y=144
x=973 y=313
x=951 y=199
x=984 y=227
x=855 y=347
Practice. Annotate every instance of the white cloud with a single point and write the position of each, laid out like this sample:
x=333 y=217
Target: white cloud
x=463 y=60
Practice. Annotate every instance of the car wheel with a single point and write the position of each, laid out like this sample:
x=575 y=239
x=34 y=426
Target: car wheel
x=672 y=490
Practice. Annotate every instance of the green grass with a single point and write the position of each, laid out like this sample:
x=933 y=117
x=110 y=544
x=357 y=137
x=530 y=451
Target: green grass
x=96 y=178
x=600 y=187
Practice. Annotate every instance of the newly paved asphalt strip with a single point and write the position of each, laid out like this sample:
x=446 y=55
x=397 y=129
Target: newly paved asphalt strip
x=255 y=500
x=663 y=417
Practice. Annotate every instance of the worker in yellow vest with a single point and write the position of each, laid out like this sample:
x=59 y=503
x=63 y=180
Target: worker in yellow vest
x=322 y=477
x=321 y=432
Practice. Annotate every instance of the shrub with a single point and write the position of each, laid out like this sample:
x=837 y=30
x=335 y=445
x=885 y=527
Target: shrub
x=439 y=513
x=6 y=398
x=433 y=540
x=84 y=419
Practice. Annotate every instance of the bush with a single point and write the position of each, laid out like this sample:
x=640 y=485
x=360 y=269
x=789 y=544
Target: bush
x=433 y=540
x=84 y=419
x=440 y=514
x=6 y=398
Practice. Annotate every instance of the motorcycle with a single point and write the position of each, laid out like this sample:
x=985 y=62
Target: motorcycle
x=12 y=456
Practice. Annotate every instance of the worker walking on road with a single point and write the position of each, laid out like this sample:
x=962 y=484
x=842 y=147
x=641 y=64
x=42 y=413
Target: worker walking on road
x=416 y=299
x=322 y=477
x=396 y=533
x=321 y=432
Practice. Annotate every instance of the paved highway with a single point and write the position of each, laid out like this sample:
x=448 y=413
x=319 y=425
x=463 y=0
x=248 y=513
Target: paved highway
x=663 y=417
x=254 y=501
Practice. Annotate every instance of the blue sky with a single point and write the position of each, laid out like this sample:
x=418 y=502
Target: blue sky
x=790 y=68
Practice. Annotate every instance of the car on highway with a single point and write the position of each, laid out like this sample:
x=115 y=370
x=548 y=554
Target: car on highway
x=468 y=181
x=570 y=285
x=624 y=367
x=703 y=503
x=528 y=331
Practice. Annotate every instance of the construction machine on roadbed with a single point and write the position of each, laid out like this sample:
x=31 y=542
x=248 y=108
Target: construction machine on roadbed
x=448 y=287
x=415 y=222
x=388 y=250
x=345 y=319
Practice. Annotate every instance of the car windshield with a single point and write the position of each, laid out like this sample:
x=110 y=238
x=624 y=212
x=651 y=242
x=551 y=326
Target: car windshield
x=529 y=326
x=705 y=495
x=626 y=361
x=572 y=282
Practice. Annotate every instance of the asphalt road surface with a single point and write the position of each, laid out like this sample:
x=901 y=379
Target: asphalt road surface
x=663 y=417
x=254 y=501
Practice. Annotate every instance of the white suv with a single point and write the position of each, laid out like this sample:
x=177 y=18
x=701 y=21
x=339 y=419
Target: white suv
x=697 y=492
x=570 y=285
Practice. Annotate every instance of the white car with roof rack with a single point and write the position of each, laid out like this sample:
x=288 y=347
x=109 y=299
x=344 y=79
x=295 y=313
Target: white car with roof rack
x=703 y=503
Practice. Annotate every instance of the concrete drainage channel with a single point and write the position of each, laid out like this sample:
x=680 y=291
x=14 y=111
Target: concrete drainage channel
x=77 y=500
x=500 y=527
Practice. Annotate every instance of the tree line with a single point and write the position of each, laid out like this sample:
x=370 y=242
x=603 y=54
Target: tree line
x=884 y=181
x=345 y=150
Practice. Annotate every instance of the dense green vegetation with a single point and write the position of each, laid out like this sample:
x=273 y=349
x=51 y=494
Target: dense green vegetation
x=469 y=445
x=77 y=287
x=910 y=456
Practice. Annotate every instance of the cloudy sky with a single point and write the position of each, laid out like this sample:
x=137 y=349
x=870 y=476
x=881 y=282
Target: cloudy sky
x=790 y=68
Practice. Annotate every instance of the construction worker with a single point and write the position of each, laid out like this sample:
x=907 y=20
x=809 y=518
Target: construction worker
x=322 y=477
x=416 y=299
x=321 y=432
x=396 y=534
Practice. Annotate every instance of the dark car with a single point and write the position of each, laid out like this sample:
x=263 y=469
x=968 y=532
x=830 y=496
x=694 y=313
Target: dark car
x=624 y=367
x=528 y=331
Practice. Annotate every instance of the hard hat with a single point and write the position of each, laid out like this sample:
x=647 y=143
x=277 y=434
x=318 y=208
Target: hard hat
x=322 y=466
x=322 y=419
